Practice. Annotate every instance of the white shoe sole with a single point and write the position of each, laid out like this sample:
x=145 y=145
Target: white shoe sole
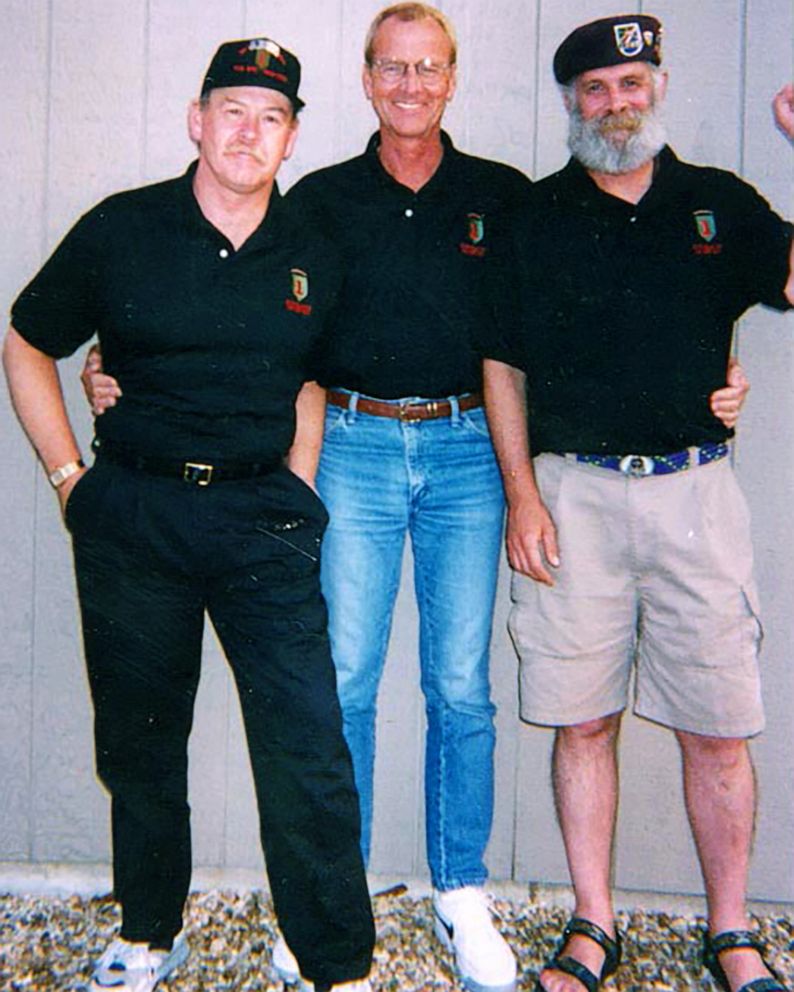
x=469 y=983
x=175 y=957
x=289 y=976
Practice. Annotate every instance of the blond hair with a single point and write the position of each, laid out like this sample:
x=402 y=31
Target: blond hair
x=410 y=12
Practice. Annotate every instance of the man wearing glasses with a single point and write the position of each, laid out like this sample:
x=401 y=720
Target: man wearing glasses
x=407 y=451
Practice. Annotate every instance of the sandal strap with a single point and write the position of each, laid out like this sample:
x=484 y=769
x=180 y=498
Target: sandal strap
x=731 y=939
x=611 y=948
x=576 y=969
x=764 y=985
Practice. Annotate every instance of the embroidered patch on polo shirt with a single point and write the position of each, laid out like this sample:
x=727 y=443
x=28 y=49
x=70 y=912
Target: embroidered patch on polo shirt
x=706 y=226
x=300 y=290
x=475 y=228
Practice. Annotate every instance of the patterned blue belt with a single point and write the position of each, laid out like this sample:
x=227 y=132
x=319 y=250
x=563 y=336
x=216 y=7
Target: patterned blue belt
x=641 y=465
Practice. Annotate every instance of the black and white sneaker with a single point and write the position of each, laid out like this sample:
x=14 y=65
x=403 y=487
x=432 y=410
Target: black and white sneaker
x=463 y=924
x=132 y=967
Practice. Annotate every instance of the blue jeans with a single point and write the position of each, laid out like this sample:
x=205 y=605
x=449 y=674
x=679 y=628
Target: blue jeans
x=438 y=481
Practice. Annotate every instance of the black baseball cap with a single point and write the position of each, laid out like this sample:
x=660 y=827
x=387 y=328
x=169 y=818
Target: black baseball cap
x=609 y=41
x=255 y=62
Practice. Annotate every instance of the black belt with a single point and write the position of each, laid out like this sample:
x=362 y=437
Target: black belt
x=194 y=473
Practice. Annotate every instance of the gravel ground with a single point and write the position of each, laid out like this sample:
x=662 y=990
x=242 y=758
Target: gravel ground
x=48 y=943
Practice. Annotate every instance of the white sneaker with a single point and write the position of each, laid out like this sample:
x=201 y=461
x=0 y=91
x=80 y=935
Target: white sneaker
x=463 y=924
x=284 y=964
x=130 y=967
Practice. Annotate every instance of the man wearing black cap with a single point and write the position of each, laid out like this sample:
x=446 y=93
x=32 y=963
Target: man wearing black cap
x=208 y=299
x=629 y=538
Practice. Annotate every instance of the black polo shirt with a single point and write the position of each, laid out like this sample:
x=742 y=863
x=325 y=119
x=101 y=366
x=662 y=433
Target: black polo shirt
x=626 y=312
x=210 y=345
x=415 y=297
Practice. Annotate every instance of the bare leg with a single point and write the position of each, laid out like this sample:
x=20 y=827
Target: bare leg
x=585 y=779
x=719 y=789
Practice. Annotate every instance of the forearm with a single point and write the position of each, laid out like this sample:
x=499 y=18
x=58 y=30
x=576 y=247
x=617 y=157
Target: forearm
x=531 y=536
x=504 y=388
x=37 y=397
x=304 y=455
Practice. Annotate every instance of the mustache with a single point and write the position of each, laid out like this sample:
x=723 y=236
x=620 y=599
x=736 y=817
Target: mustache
x=629 y=120
x=597 y=144
x=245 y=150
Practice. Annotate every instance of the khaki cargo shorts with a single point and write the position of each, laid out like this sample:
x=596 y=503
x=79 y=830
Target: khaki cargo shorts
x=656 y=572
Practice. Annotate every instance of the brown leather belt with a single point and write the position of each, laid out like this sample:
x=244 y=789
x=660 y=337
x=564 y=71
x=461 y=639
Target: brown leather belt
x=428 y=410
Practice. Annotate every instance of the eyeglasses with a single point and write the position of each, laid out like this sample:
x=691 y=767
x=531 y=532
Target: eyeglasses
x=393 y=70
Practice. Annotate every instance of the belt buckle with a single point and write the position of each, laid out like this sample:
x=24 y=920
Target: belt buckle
x=637 y=466
x=404 y=416
x=197 y=473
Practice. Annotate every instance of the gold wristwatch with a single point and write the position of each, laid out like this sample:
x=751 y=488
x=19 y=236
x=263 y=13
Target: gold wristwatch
x=63 y=472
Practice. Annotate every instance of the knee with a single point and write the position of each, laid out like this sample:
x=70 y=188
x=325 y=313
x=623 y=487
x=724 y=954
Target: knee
x=599 y=733
x=463 y=694
x=723 y=753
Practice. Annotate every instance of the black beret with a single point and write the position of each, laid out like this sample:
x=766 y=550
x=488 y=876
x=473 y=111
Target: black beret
x=255 y=62
x=609 y=41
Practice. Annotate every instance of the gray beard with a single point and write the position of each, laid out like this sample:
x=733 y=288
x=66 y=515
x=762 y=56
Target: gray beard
x=598 y=153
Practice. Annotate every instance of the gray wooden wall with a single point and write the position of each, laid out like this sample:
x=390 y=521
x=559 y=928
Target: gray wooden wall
x=93 y=100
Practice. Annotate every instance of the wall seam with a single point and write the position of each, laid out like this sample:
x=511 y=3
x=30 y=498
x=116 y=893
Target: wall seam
x=743 y=36
x=742 y=156
x=143 y=163
x=45 y=226
x=536 y=94
x=339 y=80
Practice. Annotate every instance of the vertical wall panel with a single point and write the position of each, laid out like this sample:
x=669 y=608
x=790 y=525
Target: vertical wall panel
x=96 y=65
x=766 y=346
x=398 y=837
x=557 y=20
x=313 y=34
x=493 y=113
x=352 y=114
x=179 y=45
x=97 y=71
x=500 y=859
x=703 y=48
x=23 y=122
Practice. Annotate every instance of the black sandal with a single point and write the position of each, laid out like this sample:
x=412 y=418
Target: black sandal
x=570 y=966
x=727 y=940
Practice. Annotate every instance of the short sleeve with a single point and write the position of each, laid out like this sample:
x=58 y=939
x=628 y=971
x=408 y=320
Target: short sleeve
x=59 y=309
x=765 y=254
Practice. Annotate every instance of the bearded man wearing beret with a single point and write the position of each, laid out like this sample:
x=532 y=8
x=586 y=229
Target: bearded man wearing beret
x=628 y=537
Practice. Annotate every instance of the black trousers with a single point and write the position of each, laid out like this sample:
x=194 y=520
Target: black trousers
x=152 y=556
